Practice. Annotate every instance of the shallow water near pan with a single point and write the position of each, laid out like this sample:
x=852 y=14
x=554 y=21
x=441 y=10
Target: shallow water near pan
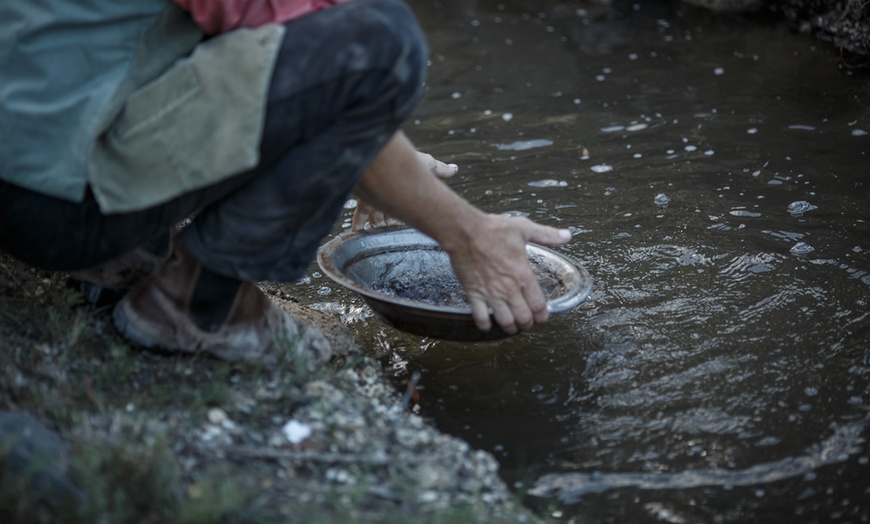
x=713 y=171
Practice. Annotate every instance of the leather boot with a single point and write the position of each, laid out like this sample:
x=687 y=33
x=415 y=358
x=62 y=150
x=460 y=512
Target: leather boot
x=157 y=314
x=105 y=284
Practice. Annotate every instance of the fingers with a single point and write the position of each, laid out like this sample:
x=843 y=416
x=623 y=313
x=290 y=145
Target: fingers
x=537 y=303
x=437 y=167
x=480 y=313
x=366 y=215
x=504 y=318
x=511 y=317
x=517 y=308
x=549 y=236
x=377 y=219
x=360 y=217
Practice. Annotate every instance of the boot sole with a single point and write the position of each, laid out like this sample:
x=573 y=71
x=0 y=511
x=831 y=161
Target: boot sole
x=129 y=331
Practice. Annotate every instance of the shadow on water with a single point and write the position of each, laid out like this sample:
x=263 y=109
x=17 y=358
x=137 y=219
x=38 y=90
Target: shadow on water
x=713 y=170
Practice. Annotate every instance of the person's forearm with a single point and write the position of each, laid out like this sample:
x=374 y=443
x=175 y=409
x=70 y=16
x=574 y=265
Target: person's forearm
x=400 y=185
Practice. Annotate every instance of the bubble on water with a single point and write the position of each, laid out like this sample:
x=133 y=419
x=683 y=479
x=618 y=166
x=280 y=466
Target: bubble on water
x=523 y=145
x=325 y=290
x=487 y=112
x=456 y=95
x=800 y=207
x=811 y=391
x=719 y=71
x=662 y=199
x=577 y=101
x=637 y=127
x=548 y=182
x=801 y=127
x=752 y=130
x=690 y=148
x=350 y=204
x=612 y=129
x=858 y=132
x=601 y=168
x=637 y=155
x=801 y=248
x=632 y=56
x=507 y=117
x=709 y=152
x=600 y=78
x=514 y=213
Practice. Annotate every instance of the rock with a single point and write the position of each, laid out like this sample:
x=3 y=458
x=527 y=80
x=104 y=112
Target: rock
x=34 y=463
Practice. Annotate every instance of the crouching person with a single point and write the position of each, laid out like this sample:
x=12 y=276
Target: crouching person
x=259 y=119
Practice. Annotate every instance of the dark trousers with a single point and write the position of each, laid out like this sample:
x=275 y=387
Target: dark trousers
x=345 y=79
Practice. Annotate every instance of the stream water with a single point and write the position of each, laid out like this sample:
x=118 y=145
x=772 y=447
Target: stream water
x=714 y=171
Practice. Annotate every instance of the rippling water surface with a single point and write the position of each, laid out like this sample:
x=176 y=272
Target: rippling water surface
x=714 y=173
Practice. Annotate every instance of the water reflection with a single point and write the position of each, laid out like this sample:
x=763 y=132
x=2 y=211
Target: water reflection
x=712 y=172
x=839 y=447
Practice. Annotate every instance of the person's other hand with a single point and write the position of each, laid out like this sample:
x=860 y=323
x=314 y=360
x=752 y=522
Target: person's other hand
x=494 y=269
x=437 y=167
x=365 y=214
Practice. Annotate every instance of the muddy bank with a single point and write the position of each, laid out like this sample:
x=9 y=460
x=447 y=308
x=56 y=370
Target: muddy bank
x=150 y=437
x=843 y=24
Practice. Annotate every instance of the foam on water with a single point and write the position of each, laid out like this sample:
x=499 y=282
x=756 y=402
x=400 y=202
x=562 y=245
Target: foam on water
x=601 y=168
x=843 y=443
x=523 y=145
x=800 y=207
x=549 y=182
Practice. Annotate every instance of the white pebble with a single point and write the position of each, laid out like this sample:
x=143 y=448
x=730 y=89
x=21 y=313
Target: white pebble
x=295 y=431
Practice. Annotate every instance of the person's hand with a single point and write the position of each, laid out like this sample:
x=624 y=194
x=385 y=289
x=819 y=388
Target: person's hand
x=494 y=269
x=487 y=252
x=366 y=214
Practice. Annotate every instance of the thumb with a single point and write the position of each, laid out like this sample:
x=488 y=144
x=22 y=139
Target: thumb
x=549 y=236
x=443 y=170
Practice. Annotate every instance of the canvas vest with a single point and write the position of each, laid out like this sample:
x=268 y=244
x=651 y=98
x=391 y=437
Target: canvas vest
x=127 y=98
